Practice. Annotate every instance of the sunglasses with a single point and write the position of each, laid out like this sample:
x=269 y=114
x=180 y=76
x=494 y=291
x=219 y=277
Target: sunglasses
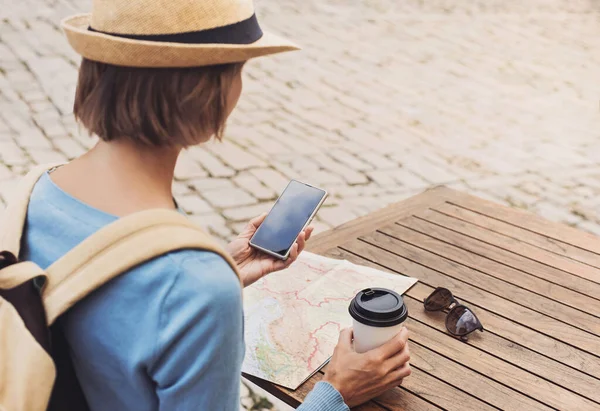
x=460 y=320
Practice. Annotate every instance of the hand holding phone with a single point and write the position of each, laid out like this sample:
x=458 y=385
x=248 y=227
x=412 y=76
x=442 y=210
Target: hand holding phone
x=292 y=213
x=252 y=263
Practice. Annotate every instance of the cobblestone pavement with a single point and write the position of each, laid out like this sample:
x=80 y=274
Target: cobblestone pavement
x=499 y=98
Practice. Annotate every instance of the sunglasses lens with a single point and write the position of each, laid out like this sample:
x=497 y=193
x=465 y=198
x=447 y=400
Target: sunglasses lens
x=438 y=300
x=461 y=321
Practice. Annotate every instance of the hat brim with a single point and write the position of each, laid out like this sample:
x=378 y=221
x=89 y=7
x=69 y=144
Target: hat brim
x=141 y=53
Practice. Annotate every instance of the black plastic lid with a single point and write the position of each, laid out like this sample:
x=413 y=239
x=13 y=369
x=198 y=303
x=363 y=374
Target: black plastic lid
x=378 y=307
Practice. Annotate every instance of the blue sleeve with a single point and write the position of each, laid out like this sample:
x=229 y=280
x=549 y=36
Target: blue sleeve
x=324 y=397
x=200 y=345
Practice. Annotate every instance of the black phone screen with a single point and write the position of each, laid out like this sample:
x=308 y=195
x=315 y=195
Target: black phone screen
x=293 y=209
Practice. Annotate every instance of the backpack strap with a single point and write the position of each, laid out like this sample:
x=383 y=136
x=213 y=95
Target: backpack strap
x=115 y=249
x=112 y=250
x=17 y=274
x=15 y=214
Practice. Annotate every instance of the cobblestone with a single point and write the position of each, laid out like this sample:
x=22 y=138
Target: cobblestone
x=11 y=153
x=205 y=184
x=241 y=214
x=254 y=186
x=215 y=224
x=212 y=164
x=497 y=98
x=270 y=178
x=234 y=156
x=228 y=197
x=336 y=215
x=68 y=147
x=382 y=178
x=506 y=109
x=5 y=173
x=43 y=156
x=351 y=176
x=186 y=168
x=181 y=188
x=193 y=204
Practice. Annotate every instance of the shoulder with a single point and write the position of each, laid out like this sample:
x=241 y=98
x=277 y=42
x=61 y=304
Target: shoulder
x=156 y=302
x=200 y=315
x=201 y=265
x=203 y=276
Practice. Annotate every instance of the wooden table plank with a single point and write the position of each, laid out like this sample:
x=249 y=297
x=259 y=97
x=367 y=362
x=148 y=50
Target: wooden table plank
x=510 y=244
x=408 y=397
x=441 y=393
x=469 y=381
x=363 y=225
x=429 y=279
x=517 y=355
x=402 y=398
x=481 y=272
x=498 y=369
x=434 y=258
x=560 y=233
x=464 y=212
x=470 y=354
x=396 y=399
x=295 y=397
x=550 y=274
x=533 y=284
x=516 y=313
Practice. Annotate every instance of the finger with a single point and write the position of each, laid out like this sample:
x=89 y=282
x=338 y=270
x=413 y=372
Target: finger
x=393 y=346
x=293 y=253
x=280 y=265
x=301 y=241
x=287 y=262
x=345 y=339
x=399 y=359
x=308 y=232
x=401 y=373
x=257 y=221
x=396 y=377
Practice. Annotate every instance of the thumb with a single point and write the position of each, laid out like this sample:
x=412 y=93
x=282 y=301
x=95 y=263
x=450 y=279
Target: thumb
x=257 y=221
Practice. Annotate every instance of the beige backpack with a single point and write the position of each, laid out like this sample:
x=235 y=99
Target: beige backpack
x=35 y=369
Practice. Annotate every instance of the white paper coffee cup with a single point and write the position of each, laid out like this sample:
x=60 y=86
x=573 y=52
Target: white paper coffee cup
x=378 y=314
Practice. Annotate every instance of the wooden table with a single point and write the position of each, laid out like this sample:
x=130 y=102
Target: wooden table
x=535 y=286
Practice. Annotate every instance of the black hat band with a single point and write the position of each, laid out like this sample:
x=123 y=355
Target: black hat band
x=244 y=32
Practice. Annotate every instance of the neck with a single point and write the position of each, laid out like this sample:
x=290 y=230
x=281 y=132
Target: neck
x=139 y=165
x=120 y=178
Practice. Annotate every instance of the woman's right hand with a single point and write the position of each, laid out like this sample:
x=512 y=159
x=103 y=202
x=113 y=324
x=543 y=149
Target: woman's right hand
x=361 y=377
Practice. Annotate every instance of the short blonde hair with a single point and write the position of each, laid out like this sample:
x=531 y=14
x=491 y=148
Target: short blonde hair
x=162 y=107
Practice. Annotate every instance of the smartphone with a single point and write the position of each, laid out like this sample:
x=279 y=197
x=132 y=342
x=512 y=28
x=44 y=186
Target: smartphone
x=293 y=211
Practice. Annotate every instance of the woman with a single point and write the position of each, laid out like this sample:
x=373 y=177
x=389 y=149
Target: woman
x=157 y=77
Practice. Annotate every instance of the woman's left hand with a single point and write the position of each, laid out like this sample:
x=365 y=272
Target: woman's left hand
x=254 y=264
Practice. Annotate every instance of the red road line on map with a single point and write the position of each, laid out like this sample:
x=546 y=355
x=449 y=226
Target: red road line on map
x=318 y=269
x=327 y=299
x=313 y=337
x=295 y=293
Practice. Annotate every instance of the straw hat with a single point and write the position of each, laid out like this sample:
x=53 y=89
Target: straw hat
x=171 y=33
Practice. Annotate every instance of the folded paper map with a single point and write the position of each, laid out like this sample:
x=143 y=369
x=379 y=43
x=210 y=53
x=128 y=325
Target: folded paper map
x=293 y=317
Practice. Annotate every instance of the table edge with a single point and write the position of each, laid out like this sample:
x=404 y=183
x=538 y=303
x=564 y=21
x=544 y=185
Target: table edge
x=393 y=212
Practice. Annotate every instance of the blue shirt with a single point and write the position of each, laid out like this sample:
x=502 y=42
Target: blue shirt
x=166 y=335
